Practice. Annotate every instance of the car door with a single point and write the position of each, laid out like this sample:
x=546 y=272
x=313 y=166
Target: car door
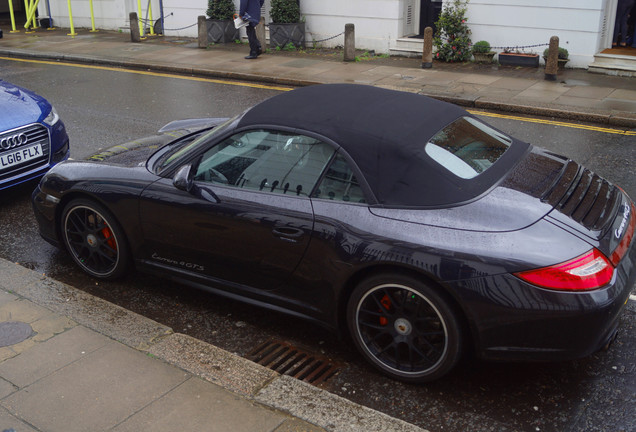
x=248 y=219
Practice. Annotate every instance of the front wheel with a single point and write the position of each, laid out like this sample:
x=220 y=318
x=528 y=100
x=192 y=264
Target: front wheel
x=404 y=327
x=94 y=239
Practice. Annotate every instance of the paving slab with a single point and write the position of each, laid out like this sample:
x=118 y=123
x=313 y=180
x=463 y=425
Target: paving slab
x=9 y=421
x=211 y=409
x=44 y=359
x=588 y=92
x=87 y=394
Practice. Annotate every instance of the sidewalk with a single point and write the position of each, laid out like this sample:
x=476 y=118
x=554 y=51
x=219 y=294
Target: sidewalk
x=576 y=95
x=73 y=362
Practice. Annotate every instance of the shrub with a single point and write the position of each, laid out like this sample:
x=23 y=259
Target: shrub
x=220 y=9
x=285 y=11
x=563 y=53
x=452 y=39
x=481 y=47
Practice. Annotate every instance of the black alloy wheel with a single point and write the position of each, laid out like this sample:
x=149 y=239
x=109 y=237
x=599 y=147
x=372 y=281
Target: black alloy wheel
x=404 y=327
x=94 y=239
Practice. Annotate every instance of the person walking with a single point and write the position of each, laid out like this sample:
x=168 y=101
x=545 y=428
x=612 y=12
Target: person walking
x=250 y=10
x=620 y=26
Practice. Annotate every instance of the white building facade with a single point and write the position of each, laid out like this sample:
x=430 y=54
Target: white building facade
x=584 y=26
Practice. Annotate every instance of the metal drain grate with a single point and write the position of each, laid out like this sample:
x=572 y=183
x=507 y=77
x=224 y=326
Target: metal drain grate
x=287 y=359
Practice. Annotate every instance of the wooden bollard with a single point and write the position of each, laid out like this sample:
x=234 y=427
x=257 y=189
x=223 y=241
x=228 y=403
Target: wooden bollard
x=427 y=51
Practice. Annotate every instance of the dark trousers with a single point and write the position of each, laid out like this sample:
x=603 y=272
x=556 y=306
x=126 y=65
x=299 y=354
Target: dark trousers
x=255 y=45
x=622 y=13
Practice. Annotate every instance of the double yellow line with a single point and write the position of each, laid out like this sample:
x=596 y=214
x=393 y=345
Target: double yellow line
x=555 y=123
x=149 y=73
x=283 y=88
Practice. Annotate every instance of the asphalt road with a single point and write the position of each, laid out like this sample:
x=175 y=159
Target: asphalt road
x=104 y=108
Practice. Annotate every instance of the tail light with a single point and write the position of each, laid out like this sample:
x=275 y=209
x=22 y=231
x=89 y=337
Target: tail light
x=622 y=247
x=586 y=272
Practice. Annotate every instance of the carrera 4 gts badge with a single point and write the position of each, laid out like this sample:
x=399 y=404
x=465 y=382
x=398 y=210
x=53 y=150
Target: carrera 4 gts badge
x=183 y=264
x=619 y=231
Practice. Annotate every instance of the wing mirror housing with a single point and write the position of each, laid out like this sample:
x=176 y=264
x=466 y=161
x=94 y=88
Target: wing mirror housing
x=182 y=180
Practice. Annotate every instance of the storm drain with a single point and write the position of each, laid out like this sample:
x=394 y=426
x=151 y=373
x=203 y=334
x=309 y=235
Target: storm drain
x=287 y=359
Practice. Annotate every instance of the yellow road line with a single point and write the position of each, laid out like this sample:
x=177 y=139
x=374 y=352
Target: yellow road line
x=555 y=123
x=149 y=73
x=282 y=88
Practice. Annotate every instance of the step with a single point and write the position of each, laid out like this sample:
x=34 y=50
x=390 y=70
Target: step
x=410 y=47
x=608 y=69
x=613 y=64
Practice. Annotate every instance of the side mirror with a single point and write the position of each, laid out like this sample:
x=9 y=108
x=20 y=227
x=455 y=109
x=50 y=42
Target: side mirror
x=183 y=178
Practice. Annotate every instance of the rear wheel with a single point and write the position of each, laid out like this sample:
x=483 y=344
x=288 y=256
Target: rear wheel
x=404 y=327
x=94 y=239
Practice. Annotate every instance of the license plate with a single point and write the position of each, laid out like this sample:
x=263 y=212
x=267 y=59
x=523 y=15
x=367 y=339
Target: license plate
x=20 y=156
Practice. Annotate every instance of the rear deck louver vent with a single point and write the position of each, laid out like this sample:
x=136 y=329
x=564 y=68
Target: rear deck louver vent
x=585 y=197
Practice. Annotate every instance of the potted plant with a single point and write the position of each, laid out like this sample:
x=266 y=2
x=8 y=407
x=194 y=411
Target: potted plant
x=482 y=53
x=286 y=26
x=452 y=38
x=515 y=57
x=220 y=25
x=563 y=58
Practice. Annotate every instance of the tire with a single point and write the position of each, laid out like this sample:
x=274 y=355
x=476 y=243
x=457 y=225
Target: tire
x=94 y=239
x=404 y=328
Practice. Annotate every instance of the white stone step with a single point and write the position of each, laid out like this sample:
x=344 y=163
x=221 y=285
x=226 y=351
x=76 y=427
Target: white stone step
x=612 y=64
x=408 y=47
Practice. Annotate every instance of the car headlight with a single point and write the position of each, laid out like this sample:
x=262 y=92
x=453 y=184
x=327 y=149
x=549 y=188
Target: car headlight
x=52 y=118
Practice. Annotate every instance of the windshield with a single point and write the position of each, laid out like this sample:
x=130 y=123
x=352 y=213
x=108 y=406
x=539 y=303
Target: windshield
x=187 y=145
x=467 y=147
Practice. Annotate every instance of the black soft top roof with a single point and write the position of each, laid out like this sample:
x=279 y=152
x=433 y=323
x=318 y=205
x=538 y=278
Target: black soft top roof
x=384 y=132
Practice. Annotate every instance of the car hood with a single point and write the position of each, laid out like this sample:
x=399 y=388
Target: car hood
x=92 y=176
x=136 y=152
x=541 y=184
x=19 y=106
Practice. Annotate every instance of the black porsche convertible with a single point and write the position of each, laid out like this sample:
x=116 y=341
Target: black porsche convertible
x=403 y=222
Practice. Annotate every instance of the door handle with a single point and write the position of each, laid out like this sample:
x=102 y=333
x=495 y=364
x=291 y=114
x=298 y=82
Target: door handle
x=289 y=232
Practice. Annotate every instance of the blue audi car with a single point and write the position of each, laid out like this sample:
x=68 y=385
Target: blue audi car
x=32 y=137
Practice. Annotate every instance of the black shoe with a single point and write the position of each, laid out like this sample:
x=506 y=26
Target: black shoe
x=251 y=56
x=260 y=51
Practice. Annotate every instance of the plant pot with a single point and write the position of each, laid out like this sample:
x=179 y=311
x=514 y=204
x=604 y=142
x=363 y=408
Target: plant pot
x=221 y=31
x=282 y=34
x=519 y=59
x=560 y=62
x=484 y=57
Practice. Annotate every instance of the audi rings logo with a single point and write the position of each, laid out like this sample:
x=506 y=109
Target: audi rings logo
x=13 y=141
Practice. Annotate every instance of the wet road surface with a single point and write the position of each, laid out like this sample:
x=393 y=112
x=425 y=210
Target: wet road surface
x=594 y=394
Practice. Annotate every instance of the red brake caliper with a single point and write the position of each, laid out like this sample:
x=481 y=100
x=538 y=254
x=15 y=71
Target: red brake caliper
x=386 y=302
x=108 y=236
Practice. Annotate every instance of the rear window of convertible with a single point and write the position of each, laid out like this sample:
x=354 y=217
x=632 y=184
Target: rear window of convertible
x=467 y=147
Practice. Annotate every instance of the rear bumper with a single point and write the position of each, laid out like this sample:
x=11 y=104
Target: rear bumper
x=519 y=321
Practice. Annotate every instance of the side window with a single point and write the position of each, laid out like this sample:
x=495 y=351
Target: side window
x=339 y=183
x=269 y=161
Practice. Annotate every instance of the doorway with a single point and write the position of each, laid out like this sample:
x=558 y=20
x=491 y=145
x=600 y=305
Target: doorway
x=429 y=13
x=611 y=42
